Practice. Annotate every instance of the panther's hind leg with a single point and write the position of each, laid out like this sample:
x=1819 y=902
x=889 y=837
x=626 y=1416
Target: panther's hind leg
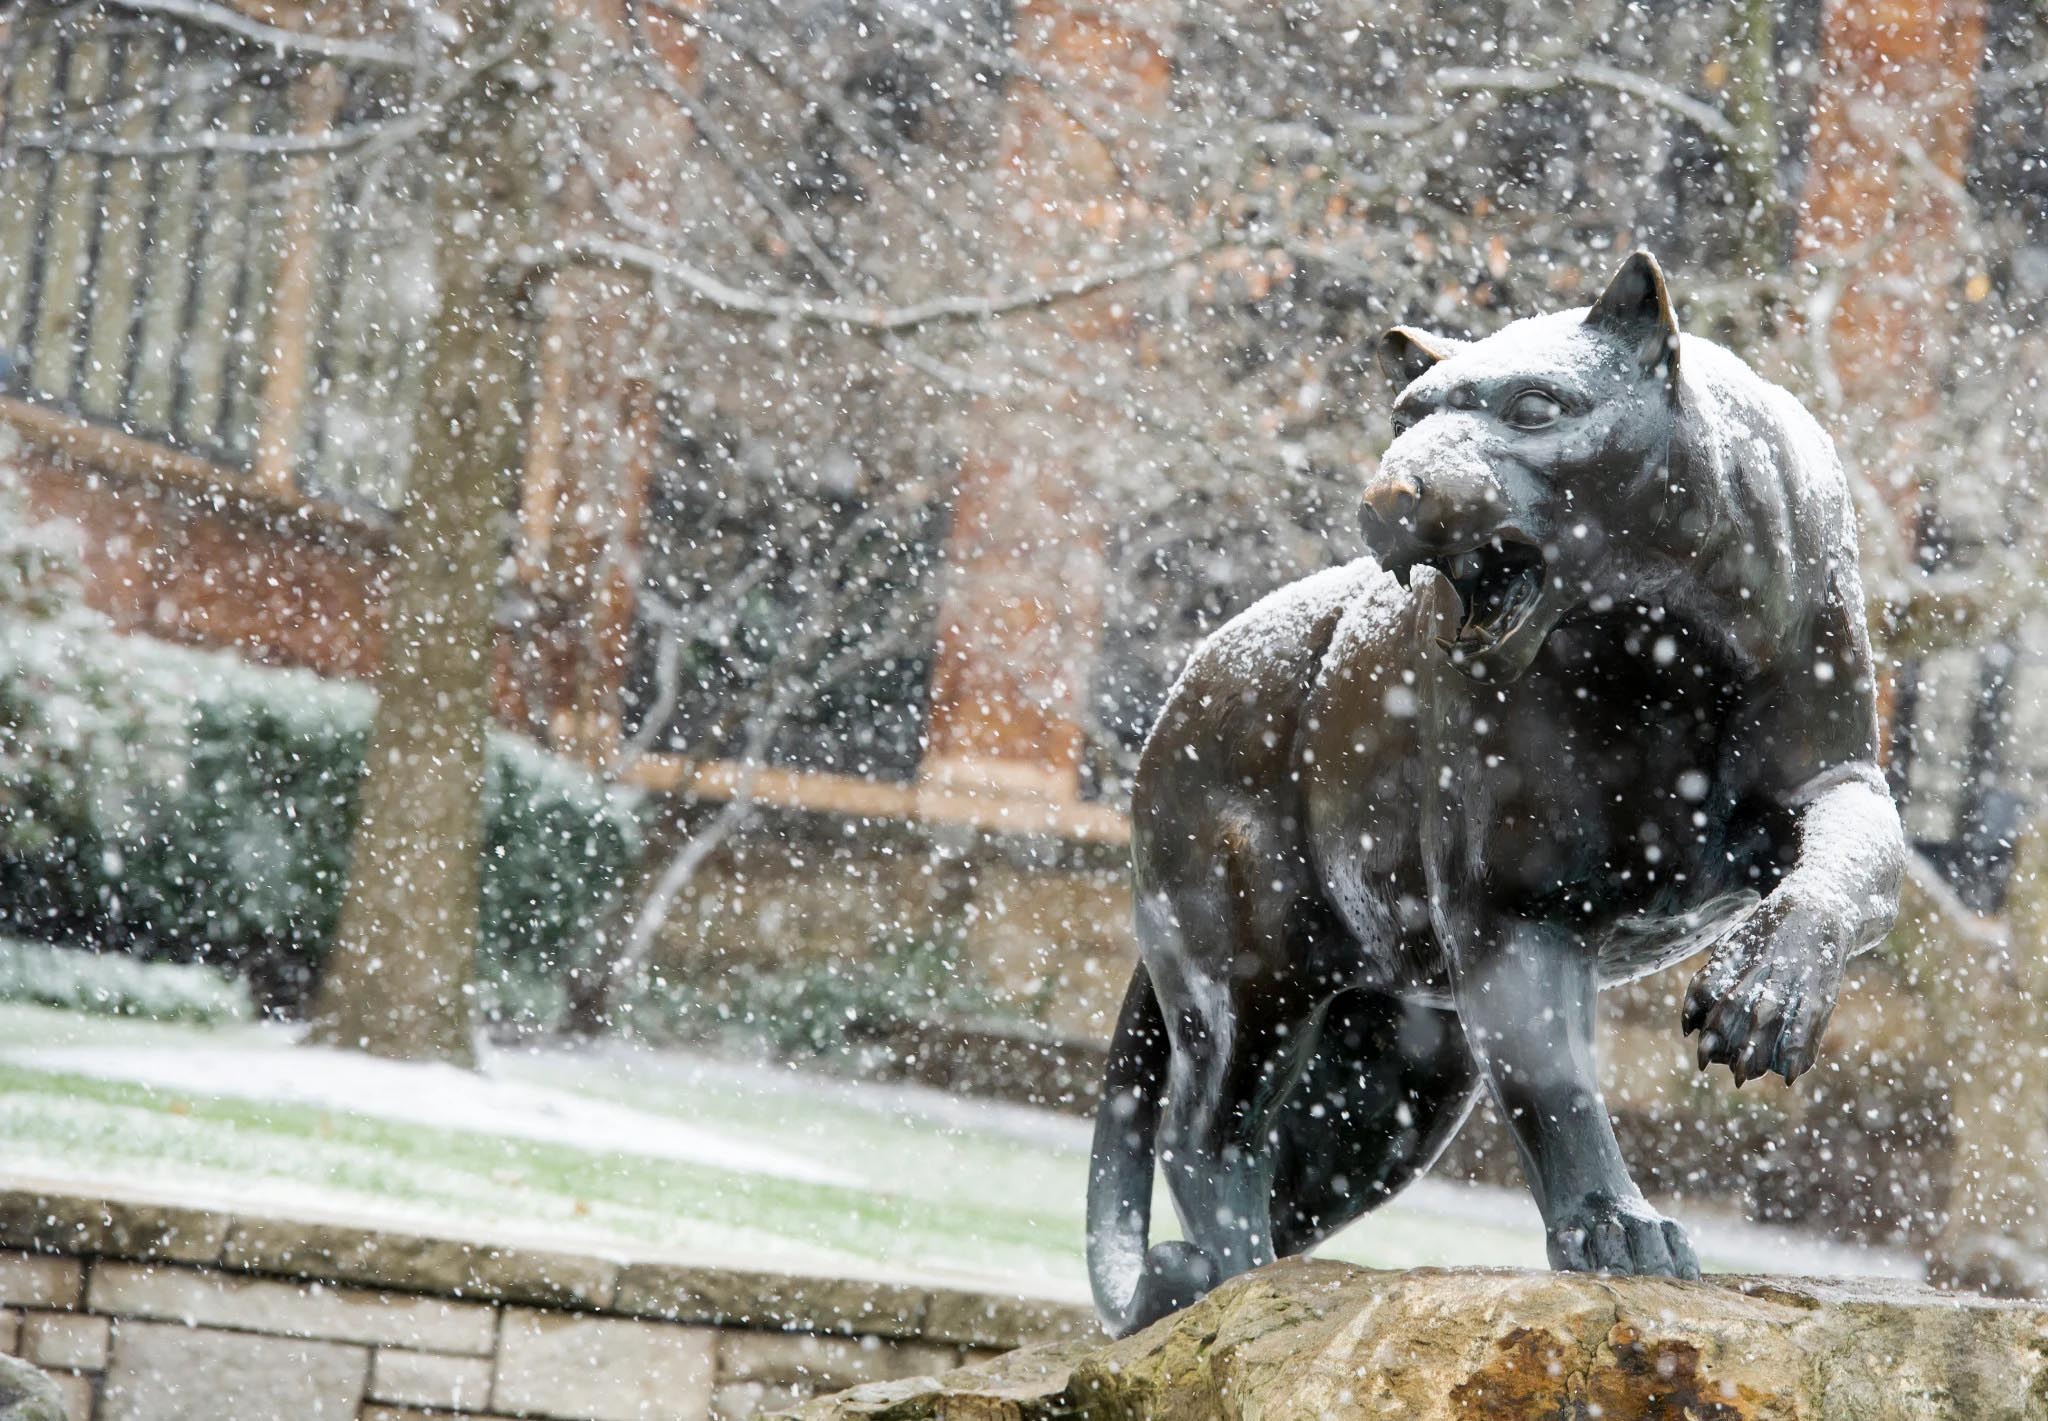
x=1388 y=1086
x=1233 y=936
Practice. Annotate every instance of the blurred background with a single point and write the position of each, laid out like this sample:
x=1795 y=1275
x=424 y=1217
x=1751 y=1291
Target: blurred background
x=537 y=531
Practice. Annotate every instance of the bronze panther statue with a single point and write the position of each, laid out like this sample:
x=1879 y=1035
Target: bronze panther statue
x=1601 y=697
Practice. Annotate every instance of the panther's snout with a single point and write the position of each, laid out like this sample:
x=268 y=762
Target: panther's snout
x=1434 y=491
x=1394 y=501
x=1406 y=516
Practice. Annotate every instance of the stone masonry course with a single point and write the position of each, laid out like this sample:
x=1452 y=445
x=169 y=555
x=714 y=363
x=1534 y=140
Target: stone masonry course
x=148 y=1311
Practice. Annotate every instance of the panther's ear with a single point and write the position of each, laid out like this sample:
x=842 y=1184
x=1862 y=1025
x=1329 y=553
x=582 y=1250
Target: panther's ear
x=1405 y=353
x=1636 y=308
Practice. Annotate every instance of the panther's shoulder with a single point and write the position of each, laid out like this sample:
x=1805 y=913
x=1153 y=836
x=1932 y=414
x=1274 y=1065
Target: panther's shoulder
x=1781 y=502
x=1748 y=422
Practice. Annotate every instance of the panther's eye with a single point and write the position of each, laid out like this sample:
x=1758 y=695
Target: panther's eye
x=1532 y=409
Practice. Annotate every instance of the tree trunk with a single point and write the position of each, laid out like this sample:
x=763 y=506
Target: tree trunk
x=398 y=981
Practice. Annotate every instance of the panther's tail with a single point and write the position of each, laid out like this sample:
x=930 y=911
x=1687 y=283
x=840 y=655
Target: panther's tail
x=1133 y=1287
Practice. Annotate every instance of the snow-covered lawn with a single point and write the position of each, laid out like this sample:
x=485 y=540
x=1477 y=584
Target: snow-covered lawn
x=617 y=1149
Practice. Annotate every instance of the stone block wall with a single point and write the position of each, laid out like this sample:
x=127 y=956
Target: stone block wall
x=148 y=1312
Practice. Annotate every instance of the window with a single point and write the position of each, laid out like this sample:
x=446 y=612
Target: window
x=169 y=258
x=787 y=600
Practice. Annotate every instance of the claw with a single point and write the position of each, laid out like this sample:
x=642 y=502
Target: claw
x=1708 y=990
x=1809 y=1053
x=1732 y=1027
x=1761 y=1049
x=1610 y=1247
x=1744 y=1066
x=1683 y=1261
x=1786 y=1050
x=1572 y=1253
x=1709 y=1044
x=1649 y=1248
x=1806 y=1050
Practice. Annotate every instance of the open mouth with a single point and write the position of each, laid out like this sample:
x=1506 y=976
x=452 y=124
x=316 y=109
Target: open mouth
x=1499 y=585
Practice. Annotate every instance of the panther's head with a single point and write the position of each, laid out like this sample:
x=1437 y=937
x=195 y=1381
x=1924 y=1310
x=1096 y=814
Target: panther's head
x=1526 y=466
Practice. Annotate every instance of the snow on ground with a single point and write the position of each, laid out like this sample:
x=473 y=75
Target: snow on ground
x=440 y=1096
x=623 y=1150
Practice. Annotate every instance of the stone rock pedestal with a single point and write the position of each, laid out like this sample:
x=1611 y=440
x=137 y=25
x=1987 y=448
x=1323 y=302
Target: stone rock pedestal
x=1312 y=1339
x=26 y=1394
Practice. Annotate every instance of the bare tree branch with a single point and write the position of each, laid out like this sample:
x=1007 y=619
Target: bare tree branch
x=833 y=108
x=699 y=623
x=715 y=137
x=349 y=139
x=1007 y=63
x=334 y=141
x=702 y=286
x=1592 y=73
x=284 y=41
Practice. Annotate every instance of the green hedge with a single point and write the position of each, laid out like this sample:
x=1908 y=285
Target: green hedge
x=107 y=984
x=184 y=804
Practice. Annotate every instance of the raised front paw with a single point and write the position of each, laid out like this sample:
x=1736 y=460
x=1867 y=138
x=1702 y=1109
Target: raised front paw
x=1605 y=1234
x=1763 y=1000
